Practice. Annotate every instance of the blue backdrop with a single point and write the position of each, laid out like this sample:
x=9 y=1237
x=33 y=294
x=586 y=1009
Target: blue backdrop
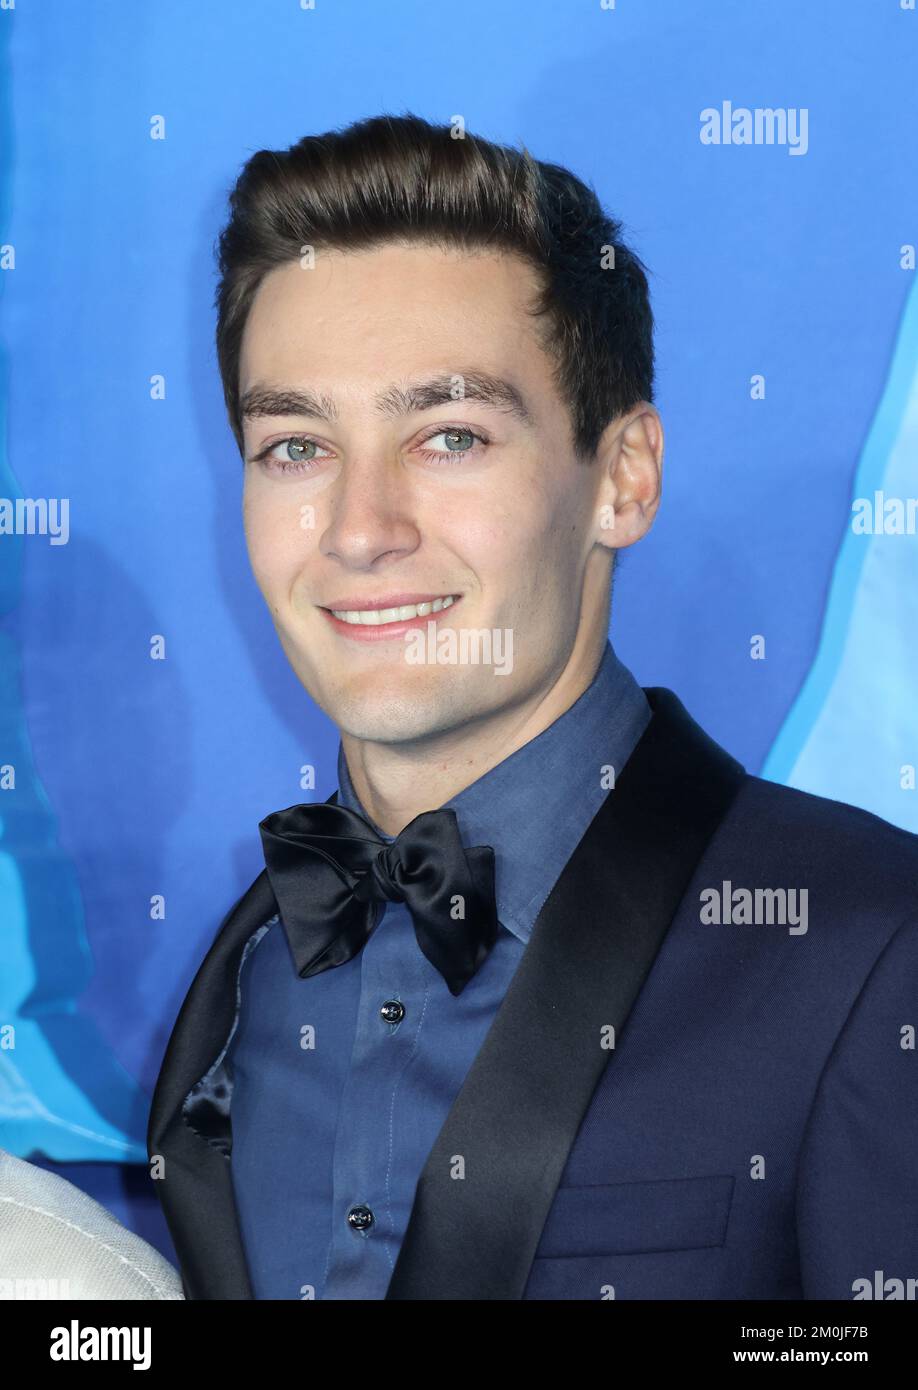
x=122 y=778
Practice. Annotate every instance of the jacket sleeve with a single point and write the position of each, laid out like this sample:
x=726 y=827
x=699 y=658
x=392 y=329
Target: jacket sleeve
x=857 y=1180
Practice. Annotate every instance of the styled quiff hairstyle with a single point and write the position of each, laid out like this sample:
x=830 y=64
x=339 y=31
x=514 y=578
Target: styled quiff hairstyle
x=397 y=178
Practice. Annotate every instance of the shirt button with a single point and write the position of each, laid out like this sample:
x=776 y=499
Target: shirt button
x=360 y=1218
x=393 y=1011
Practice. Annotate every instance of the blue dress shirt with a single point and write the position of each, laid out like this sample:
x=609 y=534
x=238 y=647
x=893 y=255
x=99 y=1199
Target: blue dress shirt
x=333 y=1106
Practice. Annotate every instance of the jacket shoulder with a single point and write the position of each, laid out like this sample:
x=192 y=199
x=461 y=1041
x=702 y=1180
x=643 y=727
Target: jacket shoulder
x=848 y=853
x=814 y=812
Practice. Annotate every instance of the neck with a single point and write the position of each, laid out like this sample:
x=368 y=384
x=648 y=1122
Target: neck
x=396 y=782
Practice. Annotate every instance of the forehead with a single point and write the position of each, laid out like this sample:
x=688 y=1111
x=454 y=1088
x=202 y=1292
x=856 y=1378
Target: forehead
x=391 y=309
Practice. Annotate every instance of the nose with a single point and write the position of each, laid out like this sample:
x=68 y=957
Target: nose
x=370 y=515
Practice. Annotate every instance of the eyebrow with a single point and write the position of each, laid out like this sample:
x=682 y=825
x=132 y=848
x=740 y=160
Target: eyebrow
x=396 y=400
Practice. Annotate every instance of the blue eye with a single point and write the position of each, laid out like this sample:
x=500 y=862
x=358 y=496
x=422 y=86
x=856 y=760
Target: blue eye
x=298 y=462
x=452 y=432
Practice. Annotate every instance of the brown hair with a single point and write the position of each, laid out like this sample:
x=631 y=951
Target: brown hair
x=399 y=177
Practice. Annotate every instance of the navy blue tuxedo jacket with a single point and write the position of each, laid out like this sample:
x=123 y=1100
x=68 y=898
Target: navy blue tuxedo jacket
x=666 y=1106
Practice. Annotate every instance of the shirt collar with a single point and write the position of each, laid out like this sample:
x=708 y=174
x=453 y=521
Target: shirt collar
x=534 y=807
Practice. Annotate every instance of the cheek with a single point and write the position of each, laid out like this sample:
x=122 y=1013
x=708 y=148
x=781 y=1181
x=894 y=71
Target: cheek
x=535 y=525
x=503 y=528
x=276 y=542
x=550 y=567
x=518 y=556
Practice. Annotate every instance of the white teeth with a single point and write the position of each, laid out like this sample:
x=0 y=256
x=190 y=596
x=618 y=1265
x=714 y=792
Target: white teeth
x=372 y=617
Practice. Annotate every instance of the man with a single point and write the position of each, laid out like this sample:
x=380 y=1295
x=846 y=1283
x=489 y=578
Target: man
x=551 y=1000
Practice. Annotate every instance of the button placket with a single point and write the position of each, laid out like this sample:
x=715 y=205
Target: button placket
x=364 y=1155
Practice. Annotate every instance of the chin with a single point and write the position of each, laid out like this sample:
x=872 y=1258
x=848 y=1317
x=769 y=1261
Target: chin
x=399 y=707
x=383 y=722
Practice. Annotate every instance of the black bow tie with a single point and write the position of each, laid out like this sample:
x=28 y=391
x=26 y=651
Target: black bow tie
x=330 y=872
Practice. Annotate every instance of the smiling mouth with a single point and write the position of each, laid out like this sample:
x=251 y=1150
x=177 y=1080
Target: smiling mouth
x=396 y=613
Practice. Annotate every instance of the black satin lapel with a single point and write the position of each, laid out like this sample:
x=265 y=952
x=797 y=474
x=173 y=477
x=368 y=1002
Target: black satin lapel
x=517 y=1115
x=196 y=1190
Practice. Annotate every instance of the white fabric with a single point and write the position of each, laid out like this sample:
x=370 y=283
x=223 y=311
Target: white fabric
x=57 y=1243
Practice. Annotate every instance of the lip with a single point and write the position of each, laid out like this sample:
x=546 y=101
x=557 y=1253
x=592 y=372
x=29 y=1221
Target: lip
x=384 y=631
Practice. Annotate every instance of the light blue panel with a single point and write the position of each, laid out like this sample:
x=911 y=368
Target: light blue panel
x=41 y=1108
x=853 y=732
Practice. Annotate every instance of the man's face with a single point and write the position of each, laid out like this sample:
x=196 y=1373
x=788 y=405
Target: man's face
x=394 y=500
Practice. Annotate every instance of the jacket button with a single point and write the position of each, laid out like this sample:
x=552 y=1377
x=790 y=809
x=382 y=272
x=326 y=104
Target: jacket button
x=360 y=1218
x=393 y=1011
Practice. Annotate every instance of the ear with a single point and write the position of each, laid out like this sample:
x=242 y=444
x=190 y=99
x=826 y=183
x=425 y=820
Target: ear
x=630 y=458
